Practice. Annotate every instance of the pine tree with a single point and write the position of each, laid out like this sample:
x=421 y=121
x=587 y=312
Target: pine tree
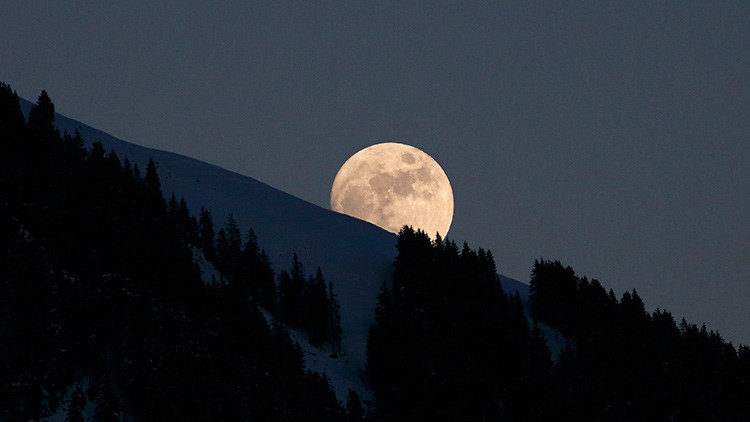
x=74 y=410
x=286 y=297
x=295 y=294
x=267 y=294
x=222 y=247
x=553 y=290
x=257 y=273
x=334 y=322
x=173 y=206
x=11 y=116
x=206 y=234
x=96 y=155
x=302 y=302
x=229 y=257
x=137 y=177
x=232 y=253
x=317 y=310
x=42 y=118
x=107 y=406
x=74 y=149
x=354 y=409
x=253 y=271
x=234 y=237
x=188 y=223
x=152 y=178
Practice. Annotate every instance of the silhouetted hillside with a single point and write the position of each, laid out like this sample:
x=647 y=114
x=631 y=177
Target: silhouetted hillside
x=102 y=302
x=117 y=300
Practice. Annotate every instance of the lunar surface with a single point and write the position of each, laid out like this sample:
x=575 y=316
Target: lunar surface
x=392 y=185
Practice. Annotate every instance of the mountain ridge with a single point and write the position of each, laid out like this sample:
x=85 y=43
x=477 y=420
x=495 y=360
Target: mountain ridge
x=354 y=255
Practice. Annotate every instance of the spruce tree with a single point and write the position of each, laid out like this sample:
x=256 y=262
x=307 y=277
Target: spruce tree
x=152 y=178
x=206 y=234
x=11 y=116
x=74 y=410
x=354 y=409
x=42 y=118
x=173 y=206
x=295 y=293
x=334 y=323
x=267 y=287
x=251 y=261
x=317 y=310
x=286 y=297
x=258 y=273
x=107 y=406
x=222 y=252
x=231 y=254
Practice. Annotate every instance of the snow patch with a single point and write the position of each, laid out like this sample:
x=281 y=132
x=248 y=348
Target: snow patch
x=209 y=274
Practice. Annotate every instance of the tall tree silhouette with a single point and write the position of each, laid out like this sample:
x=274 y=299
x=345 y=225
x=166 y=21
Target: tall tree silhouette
x=206 y=229
x=42 y=118
x=448 y=343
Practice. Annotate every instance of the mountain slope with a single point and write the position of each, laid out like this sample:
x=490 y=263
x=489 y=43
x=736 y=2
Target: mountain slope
x=355 y=255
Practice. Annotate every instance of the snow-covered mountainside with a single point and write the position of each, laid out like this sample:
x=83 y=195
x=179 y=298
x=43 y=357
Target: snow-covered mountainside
x=355 y=255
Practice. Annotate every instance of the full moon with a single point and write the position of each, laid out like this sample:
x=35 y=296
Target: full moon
x=392 y=185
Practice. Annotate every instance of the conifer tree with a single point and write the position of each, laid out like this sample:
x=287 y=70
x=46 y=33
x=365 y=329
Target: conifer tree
x=74 y=410
x=172 y=206
x=295 y=293
x=137 y=177
x=267 y=285
x=334 y=321
x=107 y=406
x=354 y=409
x=229 y=255
x=317 y=310
x=11 y=116
x=222 y=247
x=258 y=274
x=78 y=143
x=253 y=265
x=42 y=117
x=206 y=229
x=232 y=253
x=152 y=178
x=286 y=297
x=96 y=155
x=188 y=223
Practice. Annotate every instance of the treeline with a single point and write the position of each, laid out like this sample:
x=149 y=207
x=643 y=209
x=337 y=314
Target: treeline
x=626 y=364
x=305 y=303
x=99 y=288
x=311 y=305
x=244 y=267
x=449 y=344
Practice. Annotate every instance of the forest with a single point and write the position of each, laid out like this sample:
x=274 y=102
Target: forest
x=102 y=301
x=449 y=343
x=101 y=298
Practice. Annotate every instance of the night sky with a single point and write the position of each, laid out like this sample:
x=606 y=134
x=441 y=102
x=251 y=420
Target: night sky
x=610 y=135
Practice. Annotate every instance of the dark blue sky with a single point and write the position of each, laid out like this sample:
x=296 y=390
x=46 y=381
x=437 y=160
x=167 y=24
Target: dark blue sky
x=610 y=135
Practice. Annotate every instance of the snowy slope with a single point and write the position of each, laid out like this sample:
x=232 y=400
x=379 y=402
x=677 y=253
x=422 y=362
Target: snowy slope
x=355 y=255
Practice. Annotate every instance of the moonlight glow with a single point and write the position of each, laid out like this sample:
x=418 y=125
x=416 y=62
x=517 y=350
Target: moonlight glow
x=392 y=185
